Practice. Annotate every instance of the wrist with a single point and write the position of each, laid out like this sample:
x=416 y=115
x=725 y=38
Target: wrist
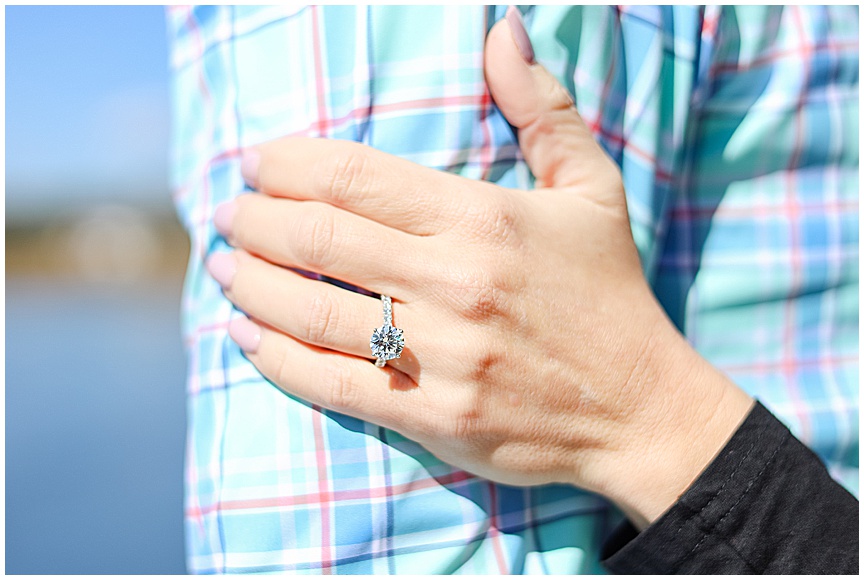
x=689 y=413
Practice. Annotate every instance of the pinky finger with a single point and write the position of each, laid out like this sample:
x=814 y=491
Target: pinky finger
x=343 y=383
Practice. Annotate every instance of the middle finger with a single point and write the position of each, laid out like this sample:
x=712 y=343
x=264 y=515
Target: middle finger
x=320 y=238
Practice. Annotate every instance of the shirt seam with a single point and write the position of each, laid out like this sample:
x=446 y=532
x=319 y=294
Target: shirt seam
x=697 y=512
x=724 y=537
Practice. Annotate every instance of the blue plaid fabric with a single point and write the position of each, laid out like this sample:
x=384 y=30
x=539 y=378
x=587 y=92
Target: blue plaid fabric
x=736 y=132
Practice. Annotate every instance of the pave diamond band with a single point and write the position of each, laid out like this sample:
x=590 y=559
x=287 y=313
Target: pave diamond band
x=388 y=309
x=387 y=341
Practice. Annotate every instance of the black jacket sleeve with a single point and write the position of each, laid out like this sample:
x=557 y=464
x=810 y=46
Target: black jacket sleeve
x=765 y=505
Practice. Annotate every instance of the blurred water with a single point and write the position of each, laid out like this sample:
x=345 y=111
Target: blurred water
x=95 y=429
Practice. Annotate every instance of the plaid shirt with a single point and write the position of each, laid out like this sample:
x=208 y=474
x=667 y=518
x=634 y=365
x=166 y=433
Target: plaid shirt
x=736 y=132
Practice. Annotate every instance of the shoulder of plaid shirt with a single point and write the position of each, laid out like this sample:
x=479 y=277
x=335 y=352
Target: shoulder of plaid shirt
x=736 y=132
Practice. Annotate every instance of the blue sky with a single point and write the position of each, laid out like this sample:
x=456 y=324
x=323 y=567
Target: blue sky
x=87 y=107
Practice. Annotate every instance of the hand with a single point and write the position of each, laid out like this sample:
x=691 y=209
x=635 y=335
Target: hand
x=535 y=350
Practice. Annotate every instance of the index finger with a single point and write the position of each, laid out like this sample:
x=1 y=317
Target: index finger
x=360 y=179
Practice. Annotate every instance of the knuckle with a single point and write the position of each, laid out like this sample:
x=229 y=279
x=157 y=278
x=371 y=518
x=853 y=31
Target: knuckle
x=479 y=294
x=455 y=416
x=322 y=319
x=341 y=388
x=558 y=97
x=485 y=366
x=466 y=424
x=244 y=215
x=317 y=237
x=348 y=177
x=495 y=222
x=282 y=371
x=241 y=290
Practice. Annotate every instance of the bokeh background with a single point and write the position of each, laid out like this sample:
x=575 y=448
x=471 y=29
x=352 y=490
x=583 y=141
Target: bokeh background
x=95 y=417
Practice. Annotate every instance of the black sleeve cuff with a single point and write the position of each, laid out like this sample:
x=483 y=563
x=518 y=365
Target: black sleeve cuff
x=766 y=504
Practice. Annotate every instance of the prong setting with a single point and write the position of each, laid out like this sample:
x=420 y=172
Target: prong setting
x=387 y=341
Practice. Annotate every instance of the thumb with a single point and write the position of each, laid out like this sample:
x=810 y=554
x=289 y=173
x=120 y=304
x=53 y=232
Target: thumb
x=559 y=148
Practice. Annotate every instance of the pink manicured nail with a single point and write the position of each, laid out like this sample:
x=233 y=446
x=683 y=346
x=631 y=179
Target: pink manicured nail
x=520 y=35
x=222 y=267
x=249 y=167
x=246 y=334
x=223 y=219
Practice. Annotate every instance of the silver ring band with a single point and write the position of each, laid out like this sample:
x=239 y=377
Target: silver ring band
x=387 y=341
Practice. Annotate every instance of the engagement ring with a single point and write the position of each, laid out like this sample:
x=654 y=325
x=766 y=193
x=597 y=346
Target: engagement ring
x=387 y=341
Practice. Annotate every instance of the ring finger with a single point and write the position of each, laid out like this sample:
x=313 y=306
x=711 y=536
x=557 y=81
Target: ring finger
x=312 y=311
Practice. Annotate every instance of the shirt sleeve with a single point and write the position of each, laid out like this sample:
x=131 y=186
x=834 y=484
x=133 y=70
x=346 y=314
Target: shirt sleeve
x=765 y=505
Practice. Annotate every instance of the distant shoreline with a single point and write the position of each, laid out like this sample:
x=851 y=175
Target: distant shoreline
x=109 y=243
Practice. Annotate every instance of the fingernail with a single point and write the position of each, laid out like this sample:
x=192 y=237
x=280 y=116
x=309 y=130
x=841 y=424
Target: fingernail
x=249 y=167
x=223 y=219
x=520 y=35
x=246 y=334
x=222 y=267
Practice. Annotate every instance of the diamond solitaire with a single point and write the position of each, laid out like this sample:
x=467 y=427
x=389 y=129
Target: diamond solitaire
x=387 y=341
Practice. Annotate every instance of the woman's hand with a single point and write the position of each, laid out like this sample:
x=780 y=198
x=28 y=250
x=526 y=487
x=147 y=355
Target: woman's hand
x=535 y=351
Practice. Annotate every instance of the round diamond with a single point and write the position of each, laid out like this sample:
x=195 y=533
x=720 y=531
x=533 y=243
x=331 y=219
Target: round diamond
x=387 y=342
